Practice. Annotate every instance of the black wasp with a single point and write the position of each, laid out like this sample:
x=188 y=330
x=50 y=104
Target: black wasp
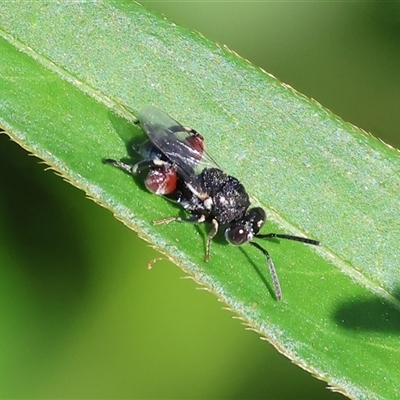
x=179 y=169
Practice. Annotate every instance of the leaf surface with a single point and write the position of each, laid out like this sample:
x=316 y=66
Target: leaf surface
x=73 y=77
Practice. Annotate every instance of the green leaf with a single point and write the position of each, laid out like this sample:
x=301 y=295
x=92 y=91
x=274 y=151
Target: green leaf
x=68 y=76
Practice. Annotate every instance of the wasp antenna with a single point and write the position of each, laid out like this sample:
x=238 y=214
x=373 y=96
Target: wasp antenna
x=289 y=237
x=119 y=164
x=272 y=270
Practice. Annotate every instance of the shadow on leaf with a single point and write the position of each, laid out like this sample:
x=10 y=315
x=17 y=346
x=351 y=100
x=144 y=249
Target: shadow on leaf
x=369 y=314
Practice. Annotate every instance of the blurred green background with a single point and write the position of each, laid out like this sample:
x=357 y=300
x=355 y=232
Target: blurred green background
x=83 y=317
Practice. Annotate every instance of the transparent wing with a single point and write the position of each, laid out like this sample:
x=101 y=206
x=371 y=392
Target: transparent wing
x=183 y=147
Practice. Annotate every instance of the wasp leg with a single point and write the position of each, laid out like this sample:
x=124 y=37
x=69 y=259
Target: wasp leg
x=210 y=237
x=191 y=130
x=193 y=219
x=138 y=167
x=147 y=164
x=119 y=164
x=165 y=220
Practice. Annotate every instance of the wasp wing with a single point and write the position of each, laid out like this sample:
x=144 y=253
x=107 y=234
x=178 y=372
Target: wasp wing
x=183 y=147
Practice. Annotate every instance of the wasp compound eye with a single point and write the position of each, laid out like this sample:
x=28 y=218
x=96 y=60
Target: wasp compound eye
x=237 y=235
